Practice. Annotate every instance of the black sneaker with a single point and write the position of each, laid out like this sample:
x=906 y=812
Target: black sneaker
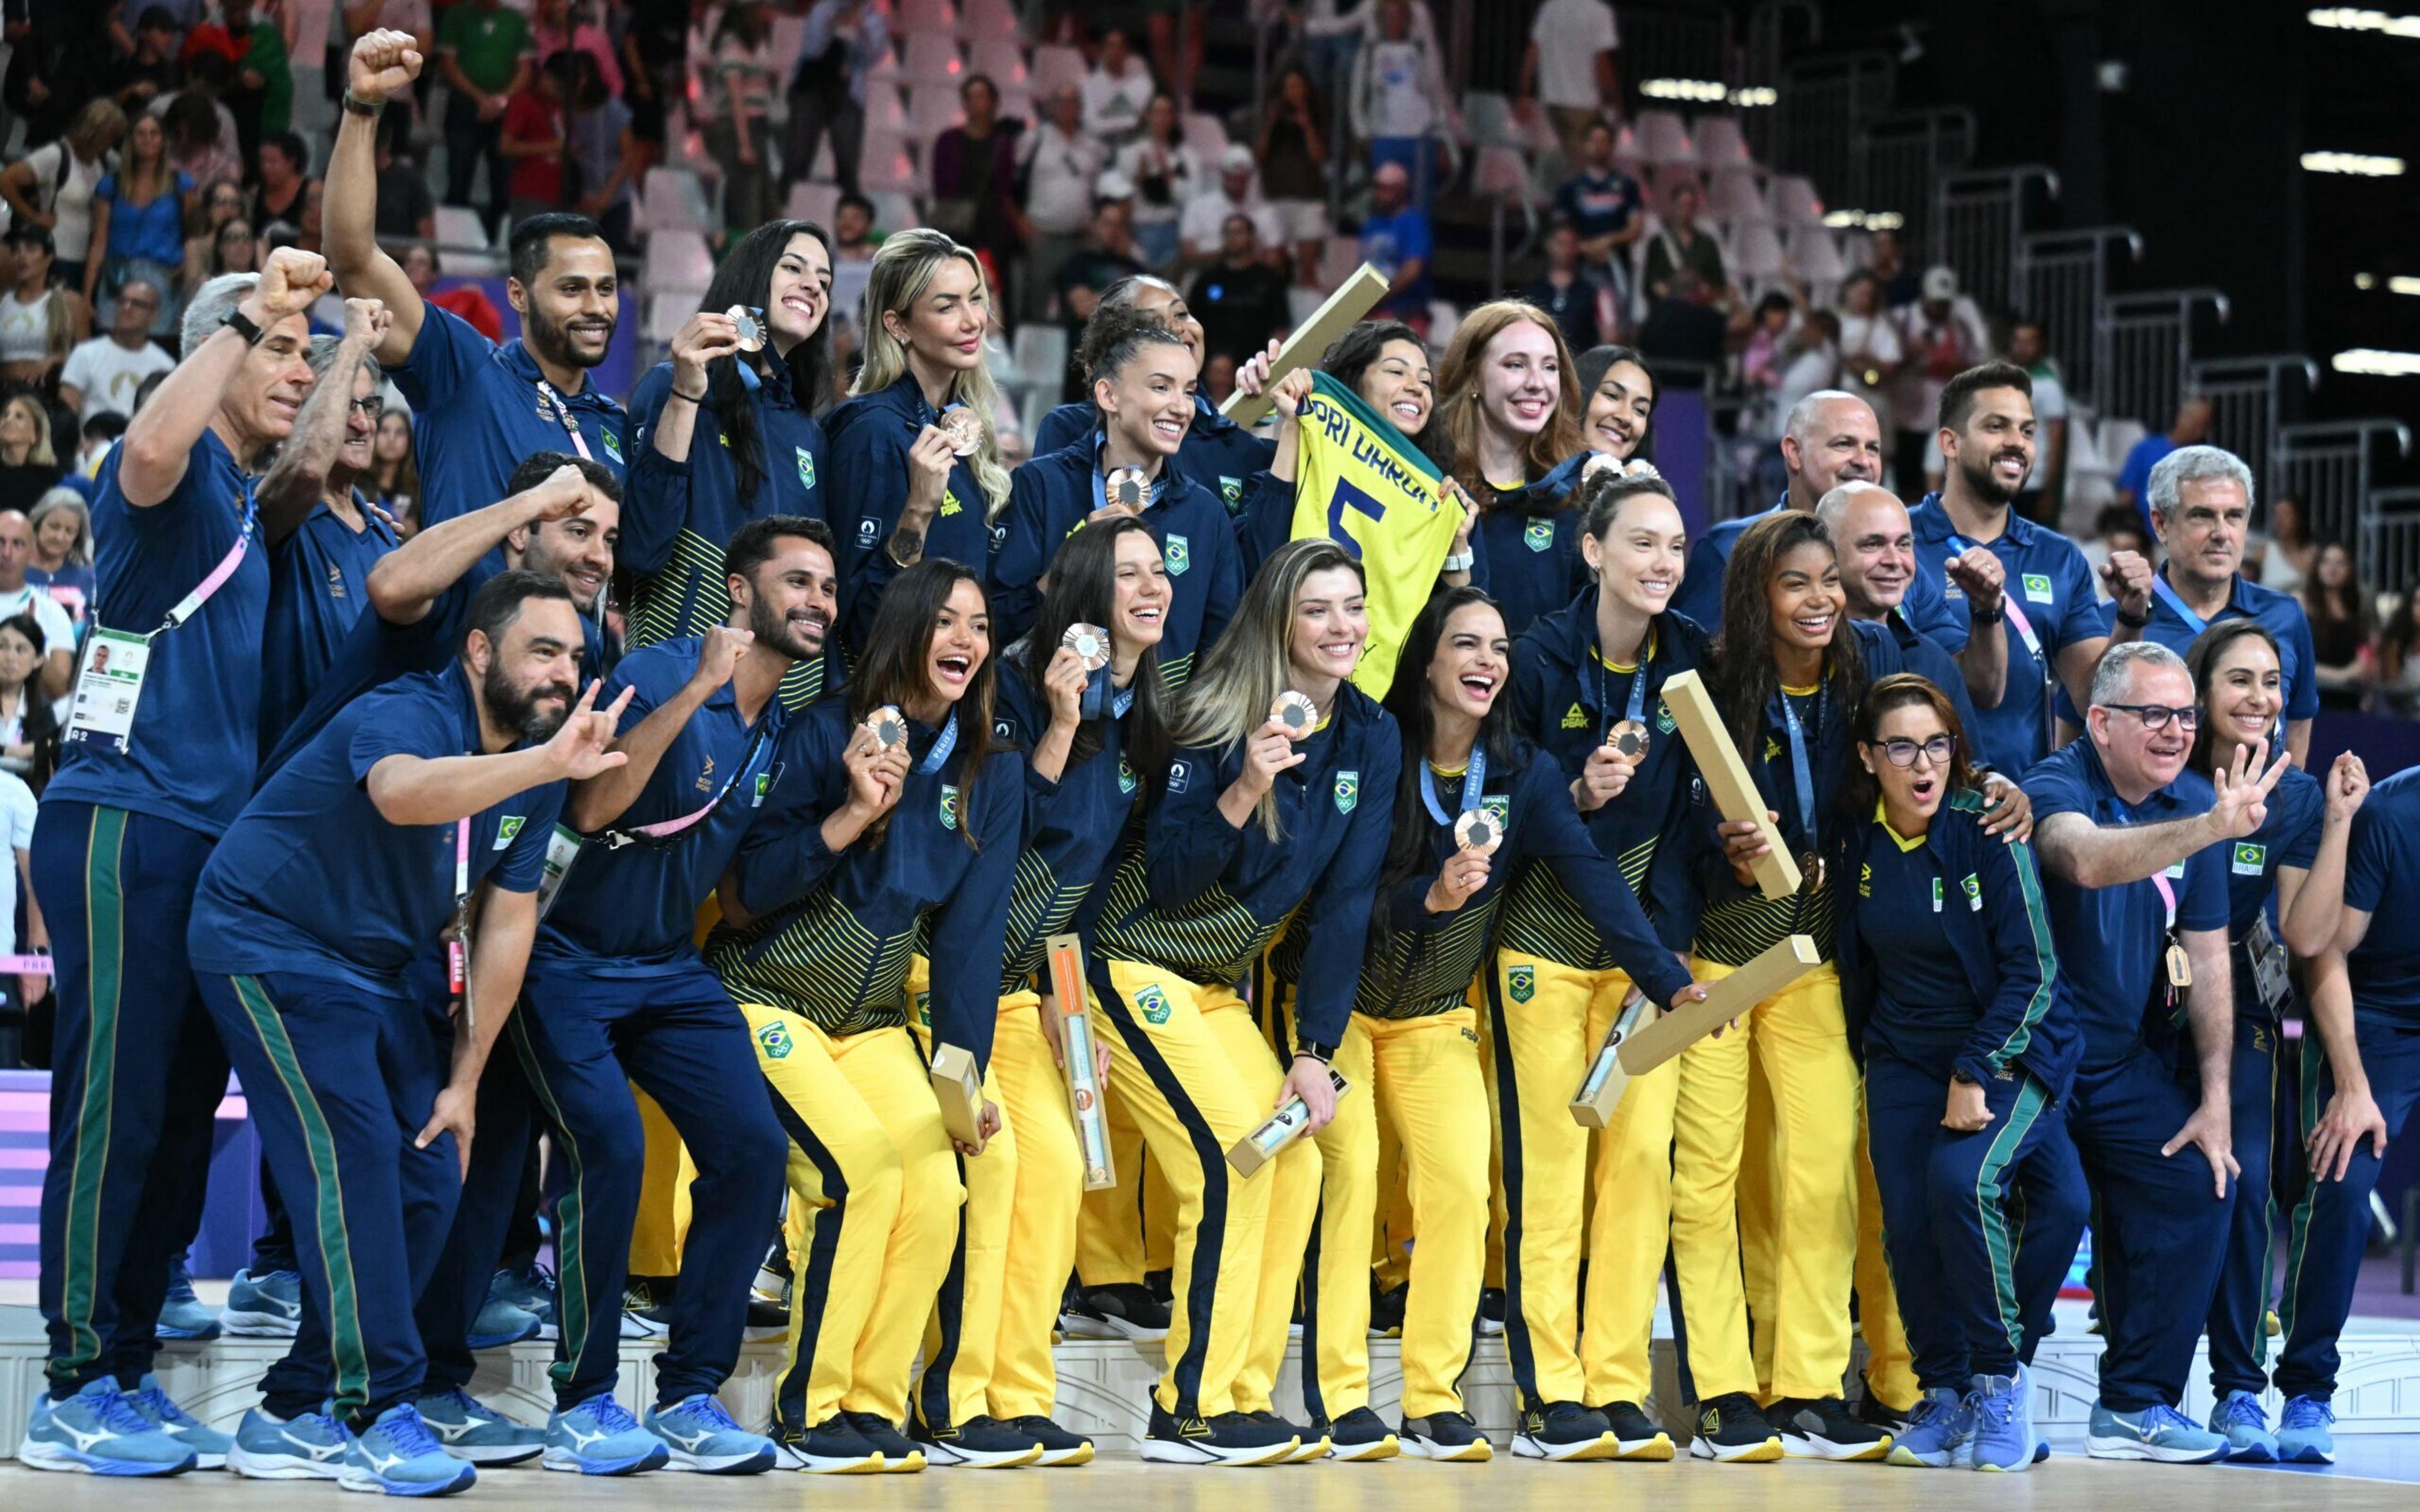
x=1875 y=1413
x=646 y=1307
x=1636 y=1436
x=900 y=1454
x=1563 y=1430
x=1312 y=1442
x=767 y=1321
x=1162 y=1286
x=978 y=1443
x=1123 y=1311
x=1491 y=1311
x=1059 y=1446
x=831 y=1447
x=1730 y=1427
x=1445 y=1436
x=1228 y=1438
x=1387 y=1312
x=1826 y=1430
x=1359 y=1434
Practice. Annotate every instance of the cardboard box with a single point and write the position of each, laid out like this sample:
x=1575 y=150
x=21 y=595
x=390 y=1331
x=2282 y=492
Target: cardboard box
x=1260 y=1147
x=958 y=1087
x=1640 y=1041
x=1734 y=790
x=1066 y=962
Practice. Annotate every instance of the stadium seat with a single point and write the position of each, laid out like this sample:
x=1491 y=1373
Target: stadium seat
x=893 y=210
x=1755 y=260
x=675 y=198
x=1627 y=155
x=1734 y=197
x=819 y=203
x=1056 y=66
x=463 y=241
x=1503 y=171
x=885 y=111
x=1794 y=200
x=914 y=16
x=1720 y=141
x=1207 y=136
x=932 y=58
x=1663 y=141
x=1815 y=259
x=932 y=109
x=1488 y=120
x=886 y=66
x=1016 y=104
x=984 y=20
x=1337 y=259
x=887 y=167
x=678 y=261
x=665 y=315
x=1444 y=319
x=789 y=38
x=1040 y=348
x=1001 y=60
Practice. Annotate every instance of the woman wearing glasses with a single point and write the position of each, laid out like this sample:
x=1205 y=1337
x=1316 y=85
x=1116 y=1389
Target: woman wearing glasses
x=1969 y=1043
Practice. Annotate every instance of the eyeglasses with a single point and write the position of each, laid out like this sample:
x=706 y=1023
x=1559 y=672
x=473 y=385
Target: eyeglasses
x=2155 y=717
x=371 y=408
x=1936 y=751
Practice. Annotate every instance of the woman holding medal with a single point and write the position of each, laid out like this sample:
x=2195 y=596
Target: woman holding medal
x=2239 y=680
x=898 y=823
x=1475 y=804
x=1262 y=813
x=728 y=432
x=1081 y=695
x=1587 y=685
x=915 y=464
x=1508 y=406
x=1969 y=1043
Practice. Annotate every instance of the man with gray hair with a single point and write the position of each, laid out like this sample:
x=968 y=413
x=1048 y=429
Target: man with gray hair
x=104 y=373
x=2133 y=849
x=159 y=755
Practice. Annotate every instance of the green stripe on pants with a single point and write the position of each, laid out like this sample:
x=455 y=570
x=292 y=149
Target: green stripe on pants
x=105 y=945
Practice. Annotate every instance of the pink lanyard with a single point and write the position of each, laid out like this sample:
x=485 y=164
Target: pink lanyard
x=192 y=603
x=458 y=944
x=562 y=412
x=665 y=830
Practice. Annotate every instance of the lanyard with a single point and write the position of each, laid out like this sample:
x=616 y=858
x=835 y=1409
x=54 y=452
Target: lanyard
x=667 y=830
x=192 y=603
x=944 y=743
x=1474 y=779
x=1096 y=686
x=562 y=412
x=2158 y=879
x=458 y=937
x=2168 y=594
x=2009 y=606
x=1802 y=771
x=1153 y=488
x=1635 y=712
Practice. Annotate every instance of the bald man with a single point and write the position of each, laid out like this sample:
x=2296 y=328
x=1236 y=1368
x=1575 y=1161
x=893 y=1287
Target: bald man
x=1876 y=546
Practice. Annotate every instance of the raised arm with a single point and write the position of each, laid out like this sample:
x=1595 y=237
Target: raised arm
x=407 y=580
x=2310 y=921
x=440 y=790
x=383 y=63
x=300 y=475
x=605 y=798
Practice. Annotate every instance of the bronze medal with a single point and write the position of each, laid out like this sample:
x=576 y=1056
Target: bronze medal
x=1475 y=831
x=1126 y=489
x=1295 y=713
x=1810 y=873
x=1090 y=645
x=751 y=324
x=888 y=726
x=965 y=429
x=1629 y=740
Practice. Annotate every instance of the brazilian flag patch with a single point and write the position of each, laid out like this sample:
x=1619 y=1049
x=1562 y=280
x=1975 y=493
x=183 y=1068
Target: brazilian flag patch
x=1498 y=807
x=2250 y=859
x=806 y=467
x=1154 y=1004
x=924 y=1009
x=1539 y=535
x=1348 y=791
x=1126 y=777
x=948 y=805
x=1664 y=717
x=1521 y=983
x=1177 y=552
x=774 y=1040
x=506 y=829
x=613 y=446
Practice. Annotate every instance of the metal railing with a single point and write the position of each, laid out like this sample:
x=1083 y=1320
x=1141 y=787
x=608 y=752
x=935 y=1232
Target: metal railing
x=2249 y=399
x=2062 y=280
x=1898 y=160
x=1769 y=32
x=2328 y=465
x=1826 y=105
x=2388 y=553
x=2144 y=353
x=1977 y=227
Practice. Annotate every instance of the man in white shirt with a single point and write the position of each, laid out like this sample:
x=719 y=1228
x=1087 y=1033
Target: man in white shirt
x=103 y=373
x=1202 y=228
x=1943 y=335
x=1060 y=161
x=1568 y=68
x=17 y=597
x=1116 y=91
x=2029 y=348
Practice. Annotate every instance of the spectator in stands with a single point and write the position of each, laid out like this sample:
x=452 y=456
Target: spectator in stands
x=282 y=167
x=1679 y=243
x=828 y=90
x=2285 y=549
x=62 y=561
x=1328 y=32
x=2397 y=693
x=40 y=321
x=974 y=176
x=1569 y=68
x=1583 y=308
x=1870 y=349
x=1943 y=335
x=18 y=596
x=1399 y=99
x=1060 y=161
x=1683 y=326
x=555 y=28
x=1294 y=170
x=1810 y=360
x=2190 y=428
x=655 y=59
x=1761 y=358
x=29 y=466
x=1219 y=380
x=1116 y=91
x=1166 y=173
x=52 y=187
x=1240 y=299
x=853 y=244
x=603 y=155
x=1203 y=228
x=1106 y=257
x=30 y=730
x=739 y=109
x=394 y=476
x=201 y=130
x=421 y=266
x=533 y=142
x=1899 y=282
x=2029 y=348
x=1178 y=58
x=218 y=201
x=103 y=373
x=100 y=433
x=1605 y=205
x=485 y=55
x=260 y=92
x=1396 y=239
x=2338 y=608
x=407 y=210
x=58 y=59
x=138 y=220
x=2117 y=528
x=151 y=71
x=233 y=248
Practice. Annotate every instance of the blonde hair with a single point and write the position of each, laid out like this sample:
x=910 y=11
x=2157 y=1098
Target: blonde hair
x=95 y=126
x=1240 y=676
x=1457 y=390
x=40 y=453
x=904 y=266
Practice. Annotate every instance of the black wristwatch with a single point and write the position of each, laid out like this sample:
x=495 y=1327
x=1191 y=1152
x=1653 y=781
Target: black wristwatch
x=1324 y=1054
x=1960 y=1078
x=358 y=106
x=2133 y=622
x=1976 y=612
x=241 y=323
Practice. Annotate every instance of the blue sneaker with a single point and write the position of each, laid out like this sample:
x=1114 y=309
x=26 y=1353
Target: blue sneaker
x=181 y=1314
x=268 y=1305
x=531 y=1289
x=2162 y=1434
x=2004 y=1422
x=397 y=1456
x=306 y=1447
x=2302 y=1436
x=2243 y=1423
x=699 y=1435
x=157 y=1408
x=98 y=1431
x=599 y=1436
x=1938 y=1427
x=469 y=1431
x=499 y=1323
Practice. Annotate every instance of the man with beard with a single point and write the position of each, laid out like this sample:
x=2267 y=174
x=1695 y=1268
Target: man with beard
x=477 y=408
x=560 y=518
x=2134 y=851
x=618 y=996
x=2048 y=615
x=330 y=889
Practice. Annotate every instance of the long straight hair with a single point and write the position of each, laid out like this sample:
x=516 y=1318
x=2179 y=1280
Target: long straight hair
x=2202 y=658
x=1457 y=399
x=903 y=268
x=899 y=648
x=1230 y=692
x=1907 y=691
x=1410 y=699
x=1083 y=589
x=1351 y=356
x=746 y=277
x=1743 y=677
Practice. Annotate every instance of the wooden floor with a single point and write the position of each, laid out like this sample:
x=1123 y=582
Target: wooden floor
x=1503 y=1485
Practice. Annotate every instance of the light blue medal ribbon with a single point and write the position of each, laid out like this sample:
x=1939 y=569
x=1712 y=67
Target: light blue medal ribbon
x=2175 y=601
x=944 y=743
x=1802 y=772
x=1473 y=781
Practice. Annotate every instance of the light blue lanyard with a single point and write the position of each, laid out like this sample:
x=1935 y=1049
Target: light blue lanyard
x=1802 y=772
x=944 y=743
x=2175 y=601
x=1474 y=779
x=1636 y=712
